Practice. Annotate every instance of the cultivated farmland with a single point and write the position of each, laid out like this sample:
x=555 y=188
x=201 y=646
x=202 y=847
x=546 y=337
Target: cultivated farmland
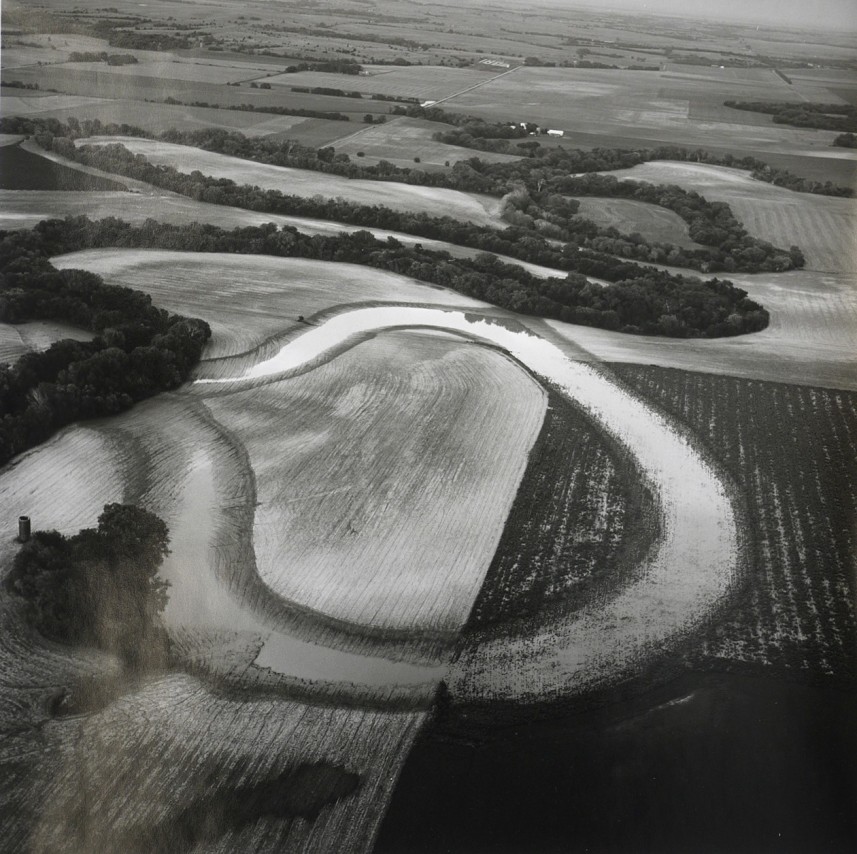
x=825 y=228
x=790 y=448
x=19 y=338
x=470 y=207
x=384 y=478
x=809 y=339
x=250 y=298
x=418 y=82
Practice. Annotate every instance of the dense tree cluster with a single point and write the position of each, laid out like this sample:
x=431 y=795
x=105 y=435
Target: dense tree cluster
x=138 y=349
x=99 y=587
x=804 y=114
x=103 y=56
x=709 y=223
x=543 y=213
x=846 y=140
x=641 y=300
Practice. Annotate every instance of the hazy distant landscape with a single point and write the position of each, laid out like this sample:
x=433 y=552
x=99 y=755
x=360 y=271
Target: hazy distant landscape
x=427 y=428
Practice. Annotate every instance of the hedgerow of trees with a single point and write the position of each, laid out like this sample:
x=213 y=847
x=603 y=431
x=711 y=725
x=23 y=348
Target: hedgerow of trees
x=99 y=587
x=538 y=207
x=649 y=302
x=804 y=114
x=138 y=349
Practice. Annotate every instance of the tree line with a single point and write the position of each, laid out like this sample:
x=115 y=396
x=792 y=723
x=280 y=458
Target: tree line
x=138 y=349
x=805 y=114
x=532 y=196
x=536 y=218
x=650 y=303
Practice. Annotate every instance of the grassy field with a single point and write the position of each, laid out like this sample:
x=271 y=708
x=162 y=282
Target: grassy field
x=19 y=338
x=790 y=449
x=629 y=216
x=402 y=139
x=384 y=477
x=249 y=298
x=825 y=228
x=471 y=207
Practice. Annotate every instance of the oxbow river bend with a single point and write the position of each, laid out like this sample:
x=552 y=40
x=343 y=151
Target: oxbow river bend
x=686 y=573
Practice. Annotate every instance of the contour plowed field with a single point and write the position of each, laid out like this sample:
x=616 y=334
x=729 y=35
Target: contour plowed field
x=248 y=298
x=824 y=227
x=384 y=477
x=469 y=207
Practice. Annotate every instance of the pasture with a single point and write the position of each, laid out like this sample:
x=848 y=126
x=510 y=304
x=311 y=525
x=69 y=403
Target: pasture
x=401 y=140
x=470 y=207
x=628 y=216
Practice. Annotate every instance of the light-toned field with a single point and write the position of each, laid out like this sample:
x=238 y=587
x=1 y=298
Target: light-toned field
x=249 y=298
x=384 y=477
x=154 y=118
x=167 y=67
x=810 y=339
x=425 y=83
x=628 y=216
x=25 y=209
x=688 y=572
x=401 y=139
x=470 y=207
x=825 y=228
x=19 y=338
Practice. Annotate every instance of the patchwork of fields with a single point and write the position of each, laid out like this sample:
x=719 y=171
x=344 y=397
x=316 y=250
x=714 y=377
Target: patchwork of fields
x=825 y=228
x=392 y=506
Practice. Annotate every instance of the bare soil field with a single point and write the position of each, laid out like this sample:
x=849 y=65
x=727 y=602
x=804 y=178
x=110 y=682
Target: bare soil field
x=628 y=216
x=825 y=228
x=61 y=485
x=384 y=477
x=403 y=139
x=249 y=298
x=470 y=207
